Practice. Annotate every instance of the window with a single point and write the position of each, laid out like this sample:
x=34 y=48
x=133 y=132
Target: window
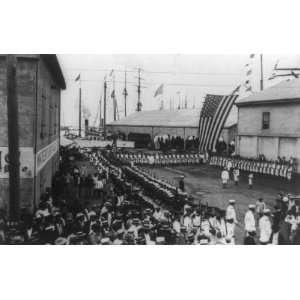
x=266 y=120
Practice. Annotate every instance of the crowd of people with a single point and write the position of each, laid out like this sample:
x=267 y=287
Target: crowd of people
x=162 y=160
x=168 y=142
x=280 y=168
x=277 y=225
x=122 y=204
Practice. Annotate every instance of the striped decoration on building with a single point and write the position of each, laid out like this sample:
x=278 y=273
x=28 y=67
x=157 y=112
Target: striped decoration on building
x=214 y=113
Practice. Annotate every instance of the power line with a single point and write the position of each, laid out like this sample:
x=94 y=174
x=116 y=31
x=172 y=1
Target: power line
x=156 y=83
x=155 y=72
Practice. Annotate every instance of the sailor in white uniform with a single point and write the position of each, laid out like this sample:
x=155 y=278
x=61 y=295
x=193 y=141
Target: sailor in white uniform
x=231 y=219
x=249 y=220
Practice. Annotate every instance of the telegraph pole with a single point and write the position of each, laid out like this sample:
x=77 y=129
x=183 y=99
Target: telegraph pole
x=104 y=108
x=261 y=73
x=139 y=104
x=13 y=139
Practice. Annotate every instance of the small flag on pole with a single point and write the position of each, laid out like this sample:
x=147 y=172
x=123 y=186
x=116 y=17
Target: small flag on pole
x=78 y=77
x=249 y=89
x=112 y=94
x=159 y=91
x=236 y=90
x=252 y=55
x=111 y=72
x=125 y=93
x=249 y=72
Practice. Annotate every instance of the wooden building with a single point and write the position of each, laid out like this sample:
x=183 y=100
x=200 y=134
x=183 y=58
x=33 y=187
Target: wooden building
x=39 y=84
x=269 y=122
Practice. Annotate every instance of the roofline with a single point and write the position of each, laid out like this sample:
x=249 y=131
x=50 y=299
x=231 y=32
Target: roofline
x=263 y=102
x=54 y=67
x=165 y=126
x=51 y=62
x=229 y=126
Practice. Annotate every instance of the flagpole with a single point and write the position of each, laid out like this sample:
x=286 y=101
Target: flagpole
x=261 y=73
x=104 y=109
x=114 y=99
x=79 y=116
x=125 y=93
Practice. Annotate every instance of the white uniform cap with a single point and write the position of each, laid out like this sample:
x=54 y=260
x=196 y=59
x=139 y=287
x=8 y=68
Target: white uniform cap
x=285 y=199
x=105 y=240
x=266 y=211
x=160 y=239
x=231 y=201
x=251 y=206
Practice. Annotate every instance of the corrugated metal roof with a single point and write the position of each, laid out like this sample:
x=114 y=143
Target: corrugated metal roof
x=167 y=118
x=285 y=90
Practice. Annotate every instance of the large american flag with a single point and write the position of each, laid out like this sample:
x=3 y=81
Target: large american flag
x=213 y=115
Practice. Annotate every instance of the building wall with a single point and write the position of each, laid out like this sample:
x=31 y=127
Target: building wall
x=38 y=95
x=284 y=120
x=281 y=139
x=229 y=134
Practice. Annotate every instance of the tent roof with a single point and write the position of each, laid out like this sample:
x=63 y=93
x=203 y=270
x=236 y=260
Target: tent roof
x=166 y=118
x=282 y=92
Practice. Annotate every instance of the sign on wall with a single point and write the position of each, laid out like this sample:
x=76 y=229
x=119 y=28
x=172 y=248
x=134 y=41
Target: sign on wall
x=125 y=144
x=26 y=162
x=44 y=155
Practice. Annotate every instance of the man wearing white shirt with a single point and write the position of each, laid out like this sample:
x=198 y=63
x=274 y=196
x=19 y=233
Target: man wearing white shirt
x=231 y=219
x=265 y=228
x=250 y=226
x=224 y=178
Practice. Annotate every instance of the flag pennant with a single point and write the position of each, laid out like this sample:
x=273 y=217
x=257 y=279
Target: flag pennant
x=252 y=55
x=213 y=116
x=249 y=89
x=111 y=72
x=159 y=91
x=77 y=78
x=237 y=89
x=125 y=93
x=112 y=94
x=249 y=72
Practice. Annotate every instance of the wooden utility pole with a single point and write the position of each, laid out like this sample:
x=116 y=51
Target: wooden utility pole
x=261 y=73
x=139 y=104
x=104 y=109
x=79 y=111
x=125 y=94
x=13 y=139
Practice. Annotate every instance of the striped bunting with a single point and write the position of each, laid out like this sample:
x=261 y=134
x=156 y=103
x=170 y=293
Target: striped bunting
x=214 y=113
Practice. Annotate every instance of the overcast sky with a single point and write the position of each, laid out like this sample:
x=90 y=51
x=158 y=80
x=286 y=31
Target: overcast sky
x=191 y=75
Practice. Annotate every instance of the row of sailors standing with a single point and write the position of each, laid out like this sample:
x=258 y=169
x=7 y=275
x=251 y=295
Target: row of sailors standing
x=163 y=159
x=273 y=168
